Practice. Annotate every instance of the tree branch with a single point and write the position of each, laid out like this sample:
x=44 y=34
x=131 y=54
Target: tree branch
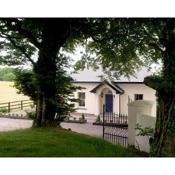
x=157 y=47
x=153 y=44
x=18 y=28
x=22 y=49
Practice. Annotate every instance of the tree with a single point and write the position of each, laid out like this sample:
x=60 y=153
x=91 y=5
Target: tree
x=26 y=83
x=24 y=38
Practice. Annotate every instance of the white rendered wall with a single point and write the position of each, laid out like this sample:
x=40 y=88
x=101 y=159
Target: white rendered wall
x=140 y=112
x=94 y=102
x=142 y=142
x=130 y=90
x=91 y=99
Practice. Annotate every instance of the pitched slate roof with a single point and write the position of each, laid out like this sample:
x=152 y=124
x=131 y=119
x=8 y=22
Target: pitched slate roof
x=94 y=76
x=117 y=89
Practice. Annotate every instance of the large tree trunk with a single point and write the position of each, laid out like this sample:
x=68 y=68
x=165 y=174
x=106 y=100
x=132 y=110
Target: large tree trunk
x=53 y=37
x=39 y=104
x=164 y=137
x=164 y=142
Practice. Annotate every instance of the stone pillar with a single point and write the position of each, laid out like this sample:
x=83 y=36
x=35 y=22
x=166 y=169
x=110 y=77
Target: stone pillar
x=137 y=108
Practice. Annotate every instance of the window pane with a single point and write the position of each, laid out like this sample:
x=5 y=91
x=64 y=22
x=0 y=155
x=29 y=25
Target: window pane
x=81 y=96
x=138 y=97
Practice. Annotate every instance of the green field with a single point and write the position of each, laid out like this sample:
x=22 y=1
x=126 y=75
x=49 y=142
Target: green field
x=8 y=93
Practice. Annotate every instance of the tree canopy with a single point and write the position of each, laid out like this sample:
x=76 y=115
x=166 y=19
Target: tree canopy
x=106 y=39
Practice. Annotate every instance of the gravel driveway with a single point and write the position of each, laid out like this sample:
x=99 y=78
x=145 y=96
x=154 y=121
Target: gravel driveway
x=86 y=128
x=7 y=124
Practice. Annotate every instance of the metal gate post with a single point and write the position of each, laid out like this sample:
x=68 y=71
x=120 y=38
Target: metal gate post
x=103 y=120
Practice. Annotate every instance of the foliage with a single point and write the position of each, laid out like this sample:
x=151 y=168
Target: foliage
x=98 y=119
x=31 y=115
x=3 y=110
x=82 y=118
x=47 y=142
x=7 y=74
x=25 y=82
x=147 y=131
x=122 y=46
x=67 y=118
x=64 y=96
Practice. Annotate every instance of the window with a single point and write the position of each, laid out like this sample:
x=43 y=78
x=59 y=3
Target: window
x=81 y=97
x=138 y=97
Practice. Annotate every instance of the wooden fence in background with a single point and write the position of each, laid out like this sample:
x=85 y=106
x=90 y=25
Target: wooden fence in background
x=15 y=105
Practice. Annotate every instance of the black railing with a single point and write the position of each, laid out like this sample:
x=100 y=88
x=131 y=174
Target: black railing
x=112 y=119
x=115 y=128
x=116 y=136
x=15 y=105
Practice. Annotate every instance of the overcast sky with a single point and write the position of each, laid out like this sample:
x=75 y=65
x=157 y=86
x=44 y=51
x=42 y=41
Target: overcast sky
x=90 y=75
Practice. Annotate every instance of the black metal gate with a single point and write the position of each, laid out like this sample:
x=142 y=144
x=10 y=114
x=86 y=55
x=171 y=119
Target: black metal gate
x=115 y=128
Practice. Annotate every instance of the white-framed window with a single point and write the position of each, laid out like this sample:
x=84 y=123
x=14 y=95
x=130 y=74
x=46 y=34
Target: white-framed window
x=138 y=97
x=81 y=97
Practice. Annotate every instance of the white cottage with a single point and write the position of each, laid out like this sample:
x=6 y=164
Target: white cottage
x=115 y=96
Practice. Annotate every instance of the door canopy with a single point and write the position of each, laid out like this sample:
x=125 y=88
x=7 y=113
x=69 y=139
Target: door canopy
x=116 y=88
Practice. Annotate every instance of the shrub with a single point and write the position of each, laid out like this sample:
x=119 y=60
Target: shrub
x=31 y=115
x=82 y=116
x=98 y=119
x=32 y=106
x=67 y=118
x=3 y=110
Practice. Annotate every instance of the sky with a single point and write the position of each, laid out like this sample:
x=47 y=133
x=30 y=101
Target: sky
x=90 y=75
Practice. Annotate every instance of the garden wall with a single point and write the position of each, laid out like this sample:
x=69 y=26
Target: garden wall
x=140 y=113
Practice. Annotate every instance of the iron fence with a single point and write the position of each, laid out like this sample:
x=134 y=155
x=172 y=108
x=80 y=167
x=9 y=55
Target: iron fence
x=115 y=128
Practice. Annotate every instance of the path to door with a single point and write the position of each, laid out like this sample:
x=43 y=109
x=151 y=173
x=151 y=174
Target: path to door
x=86 y=128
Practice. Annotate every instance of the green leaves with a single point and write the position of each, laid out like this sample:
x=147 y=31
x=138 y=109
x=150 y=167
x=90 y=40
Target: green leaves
x=121 y=46
x=26 y=83
x=147 y=131
x=7 y=74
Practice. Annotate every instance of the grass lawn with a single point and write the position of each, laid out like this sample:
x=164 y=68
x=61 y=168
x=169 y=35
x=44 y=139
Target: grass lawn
x=57 y=143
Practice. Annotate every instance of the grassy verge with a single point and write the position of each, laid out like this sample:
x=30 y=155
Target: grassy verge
x=57 y=143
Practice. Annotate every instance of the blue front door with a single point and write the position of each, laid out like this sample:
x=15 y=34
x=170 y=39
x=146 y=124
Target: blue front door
x=109 y=102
